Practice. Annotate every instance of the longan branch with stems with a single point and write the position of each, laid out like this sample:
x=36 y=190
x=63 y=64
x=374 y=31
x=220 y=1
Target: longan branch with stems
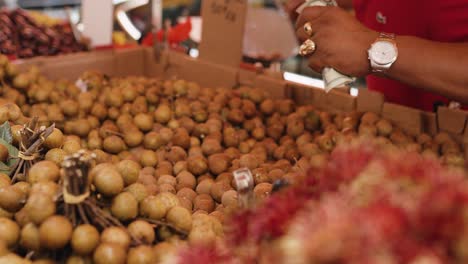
x=32 y=139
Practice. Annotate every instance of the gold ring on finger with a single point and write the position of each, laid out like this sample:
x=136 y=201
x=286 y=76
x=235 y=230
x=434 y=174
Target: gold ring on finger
x=307 y=48
x=308 y=29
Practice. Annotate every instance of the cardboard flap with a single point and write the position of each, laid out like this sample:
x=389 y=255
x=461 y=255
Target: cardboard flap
x=275 y=88
x=341 y=101
x=407 y=118
x=301 y=94
x=151 y=67
x=130 y=62
x=223 y=31
x=369 y=101
x=246 y=77
x=451 y=120
x=205 y=73
x=430 y=123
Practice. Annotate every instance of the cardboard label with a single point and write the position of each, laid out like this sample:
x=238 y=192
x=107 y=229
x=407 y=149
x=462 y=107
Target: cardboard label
x=98 y=21
x=223 y=31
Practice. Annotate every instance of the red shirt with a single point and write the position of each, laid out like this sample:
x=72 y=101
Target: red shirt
x=438 y=20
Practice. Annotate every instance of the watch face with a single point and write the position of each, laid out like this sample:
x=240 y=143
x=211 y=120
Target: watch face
x=383 y=52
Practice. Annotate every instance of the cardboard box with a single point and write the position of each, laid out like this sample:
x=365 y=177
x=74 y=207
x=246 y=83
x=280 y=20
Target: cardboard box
x=246 y=77
x=451 y=120
x=301 y=94
x=409 y=119
x=340 y=101
x=429 y=123
x=203 y=72
x=128 y=62
x=140 y=61
x=274 y=87
x=369 y=101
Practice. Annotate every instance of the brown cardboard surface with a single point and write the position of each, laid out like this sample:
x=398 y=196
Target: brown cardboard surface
x=205 y=73
x=301 y=94
x=246 y=77
x=341 y=101
x=130 y=62
x=369 y=101
x=274 y=87
x=223 y=31
x=408 y=119
x=429 y=123
x=319 y=98
x=451 y=120
x=151 y=67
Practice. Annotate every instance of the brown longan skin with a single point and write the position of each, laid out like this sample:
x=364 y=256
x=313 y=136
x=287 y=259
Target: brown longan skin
x=116 y=235
x=124 y=206
x=44 y=171
x=143 y=254
x=204 y=186
x=85 y=238
x=180 y=217
x=186 y=179
x=204 y=202
x=142 y=230
x=9 y=231
x=55 y=232
x=187 y=193
x=108 y=253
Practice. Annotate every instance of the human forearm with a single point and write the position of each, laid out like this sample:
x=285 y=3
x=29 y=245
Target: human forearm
x=346 y=4
x=440 y=68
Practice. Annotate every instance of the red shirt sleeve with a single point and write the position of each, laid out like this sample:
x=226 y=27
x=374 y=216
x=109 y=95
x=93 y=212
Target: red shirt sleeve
x=448 y=20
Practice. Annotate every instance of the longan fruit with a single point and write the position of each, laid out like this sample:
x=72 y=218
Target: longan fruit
x=29 y=237
x=204 y=202
x=204 y=187
x=180 y=217
x=148 y=158
x=55 y=232
x=108 y=253
x=43 y=171
x=187 y=193
x=113 y=144
x=141 y=255
x=165 y=187
x=116 y=235
x=129 y=170
x=142 y=230
x=108 y=182
x=9 y=231
x=124 y=206
x=55 y=155
x=138 y=190
x=197 y=165
x=85 y=238
x=218 y=188
x=186 y=179
x=167 y=179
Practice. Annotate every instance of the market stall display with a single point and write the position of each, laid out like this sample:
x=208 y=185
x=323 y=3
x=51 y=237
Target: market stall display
x=165 y=151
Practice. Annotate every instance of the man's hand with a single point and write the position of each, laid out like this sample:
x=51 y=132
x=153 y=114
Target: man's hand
x=341 y=40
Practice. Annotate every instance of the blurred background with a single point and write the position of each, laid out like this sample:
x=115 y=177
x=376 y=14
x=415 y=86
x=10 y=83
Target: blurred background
x=269 y=38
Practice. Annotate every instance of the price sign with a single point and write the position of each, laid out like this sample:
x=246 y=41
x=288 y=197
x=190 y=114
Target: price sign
x=223 y=31
x=245 y=185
